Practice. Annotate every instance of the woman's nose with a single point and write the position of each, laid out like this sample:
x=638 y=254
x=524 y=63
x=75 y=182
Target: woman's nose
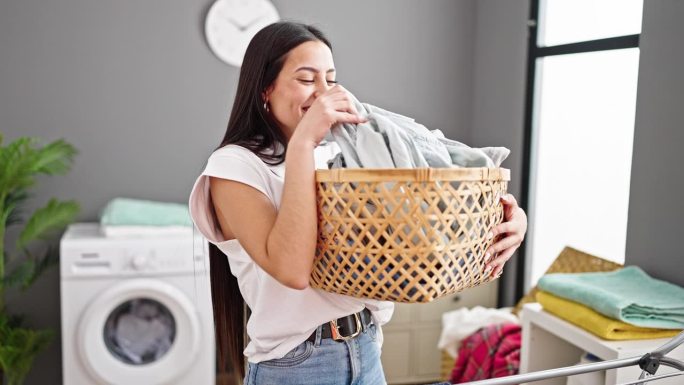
x=321 y=88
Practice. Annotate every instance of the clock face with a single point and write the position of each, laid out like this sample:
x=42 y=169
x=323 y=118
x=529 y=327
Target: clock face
x=231 y=24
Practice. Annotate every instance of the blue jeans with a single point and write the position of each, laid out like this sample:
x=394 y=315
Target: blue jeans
x=324 y=362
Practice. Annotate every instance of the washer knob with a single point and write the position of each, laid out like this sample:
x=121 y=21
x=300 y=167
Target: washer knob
x=139 y=262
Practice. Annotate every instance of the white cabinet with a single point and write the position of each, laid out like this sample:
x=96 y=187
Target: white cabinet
x=549 y=342
x=409 y=351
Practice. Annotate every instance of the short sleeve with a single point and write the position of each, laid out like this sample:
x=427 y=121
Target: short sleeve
x=233 y=163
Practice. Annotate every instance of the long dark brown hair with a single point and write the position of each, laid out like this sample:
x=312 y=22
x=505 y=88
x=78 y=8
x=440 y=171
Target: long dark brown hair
x=252 y=127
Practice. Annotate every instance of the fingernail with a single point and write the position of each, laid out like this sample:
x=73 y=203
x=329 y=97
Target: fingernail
x=487 y=270
x=487 y=256
x=490 y=235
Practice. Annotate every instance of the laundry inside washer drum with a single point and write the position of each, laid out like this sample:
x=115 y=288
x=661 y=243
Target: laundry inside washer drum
x=139 y=331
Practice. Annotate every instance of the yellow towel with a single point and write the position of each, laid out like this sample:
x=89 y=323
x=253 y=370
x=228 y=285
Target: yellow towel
x=596 y=323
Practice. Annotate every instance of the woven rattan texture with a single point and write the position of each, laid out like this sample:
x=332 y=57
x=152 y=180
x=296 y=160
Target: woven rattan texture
x=414 y=239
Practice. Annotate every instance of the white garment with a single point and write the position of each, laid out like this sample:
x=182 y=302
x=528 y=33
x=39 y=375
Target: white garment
x=390 y=140
x=325 y=152
x=461 y=323
x=282 y=317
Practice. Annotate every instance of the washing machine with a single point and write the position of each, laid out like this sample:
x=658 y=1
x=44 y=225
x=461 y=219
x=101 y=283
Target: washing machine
x=135 y=310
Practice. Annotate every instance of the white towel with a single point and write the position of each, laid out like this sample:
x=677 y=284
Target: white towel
x=145 y=231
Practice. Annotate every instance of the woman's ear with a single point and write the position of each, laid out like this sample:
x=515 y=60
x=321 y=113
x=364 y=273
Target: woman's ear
x=266 y=94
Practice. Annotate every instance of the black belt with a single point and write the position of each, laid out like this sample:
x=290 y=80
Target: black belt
x=345 y=328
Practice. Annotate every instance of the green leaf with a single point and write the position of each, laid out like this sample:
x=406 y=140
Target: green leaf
x=21 y=275
x=24 y=275
x=53 y=217
x=18 y=347
x=51 y=258
x=5 y=214
x=20 y=161
x=16 y=165
x=13 y=213
x=54 y=158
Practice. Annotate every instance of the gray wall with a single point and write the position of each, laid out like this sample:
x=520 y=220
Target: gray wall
x=656 y=210
x=499 y=67
x=135 y=88
x=498 y=98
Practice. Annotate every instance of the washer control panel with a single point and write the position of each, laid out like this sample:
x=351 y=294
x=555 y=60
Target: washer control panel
x=94 y=255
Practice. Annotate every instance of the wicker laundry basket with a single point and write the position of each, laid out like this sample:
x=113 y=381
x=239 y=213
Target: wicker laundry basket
x=405 y=235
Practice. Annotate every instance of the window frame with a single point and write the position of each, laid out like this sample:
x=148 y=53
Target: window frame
x=535 y=52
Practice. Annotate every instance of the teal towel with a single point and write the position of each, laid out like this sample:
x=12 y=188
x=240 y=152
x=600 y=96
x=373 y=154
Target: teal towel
x=135 y=212
x=628 y=294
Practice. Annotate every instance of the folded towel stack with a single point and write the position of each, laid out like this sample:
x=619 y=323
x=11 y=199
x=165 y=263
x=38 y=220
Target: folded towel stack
x=597 y=323
x=134 y=217
x=621 y=304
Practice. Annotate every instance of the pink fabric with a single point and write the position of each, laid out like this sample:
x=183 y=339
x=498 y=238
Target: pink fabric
x=493 y=351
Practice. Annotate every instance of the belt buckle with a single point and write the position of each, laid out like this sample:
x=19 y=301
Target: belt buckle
x=336 y=333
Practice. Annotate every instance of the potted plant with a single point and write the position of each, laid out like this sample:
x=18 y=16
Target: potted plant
x=21 y=161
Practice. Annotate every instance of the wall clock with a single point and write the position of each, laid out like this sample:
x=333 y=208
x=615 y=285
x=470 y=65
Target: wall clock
x=231 y=24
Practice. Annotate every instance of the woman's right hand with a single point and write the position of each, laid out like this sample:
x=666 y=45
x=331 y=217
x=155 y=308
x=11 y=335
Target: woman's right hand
x=331 y=107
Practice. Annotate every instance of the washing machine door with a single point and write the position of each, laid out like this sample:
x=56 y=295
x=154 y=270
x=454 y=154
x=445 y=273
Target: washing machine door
x=139 y=331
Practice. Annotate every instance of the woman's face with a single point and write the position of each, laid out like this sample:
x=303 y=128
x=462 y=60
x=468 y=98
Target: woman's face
x=308 y=72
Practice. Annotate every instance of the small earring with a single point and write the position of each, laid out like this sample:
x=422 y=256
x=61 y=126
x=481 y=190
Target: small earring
x=266 y=107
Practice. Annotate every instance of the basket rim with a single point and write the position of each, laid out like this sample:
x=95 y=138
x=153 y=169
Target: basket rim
x=412 y=174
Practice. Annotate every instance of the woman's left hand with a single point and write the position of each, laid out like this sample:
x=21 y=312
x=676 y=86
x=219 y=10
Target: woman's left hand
x=514 y=228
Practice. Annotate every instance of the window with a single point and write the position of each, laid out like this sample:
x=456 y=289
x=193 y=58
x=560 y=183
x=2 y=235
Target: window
x=581 y=102
x=572 y=21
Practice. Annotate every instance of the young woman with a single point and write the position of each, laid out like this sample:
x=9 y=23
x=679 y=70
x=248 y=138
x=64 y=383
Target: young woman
x=262 y=223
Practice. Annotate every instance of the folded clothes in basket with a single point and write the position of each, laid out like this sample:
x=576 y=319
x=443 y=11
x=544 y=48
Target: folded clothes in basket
x=597 y=323
x=390 y=140
x=628 y=294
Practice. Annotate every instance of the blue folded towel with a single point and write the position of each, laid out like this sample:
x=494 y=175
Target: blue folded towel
x=136 y=212
x=628 y=294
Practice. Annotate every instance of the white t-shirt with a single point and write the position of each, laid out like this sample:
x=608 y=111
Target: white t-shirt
x=282 y=317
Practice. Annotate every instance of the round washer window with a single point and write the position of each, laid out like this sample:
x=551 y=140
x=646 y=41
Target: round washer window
x=139 y=331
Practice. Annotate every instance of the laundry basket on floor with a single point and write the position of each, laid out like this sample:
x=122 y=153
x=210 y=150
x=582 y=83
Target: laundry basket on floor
x=405 y=235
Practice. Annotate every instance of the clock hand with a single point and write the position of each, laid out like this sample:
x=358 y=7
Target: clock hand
x=243 y=27
x=237 y=24
x=254 y=21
